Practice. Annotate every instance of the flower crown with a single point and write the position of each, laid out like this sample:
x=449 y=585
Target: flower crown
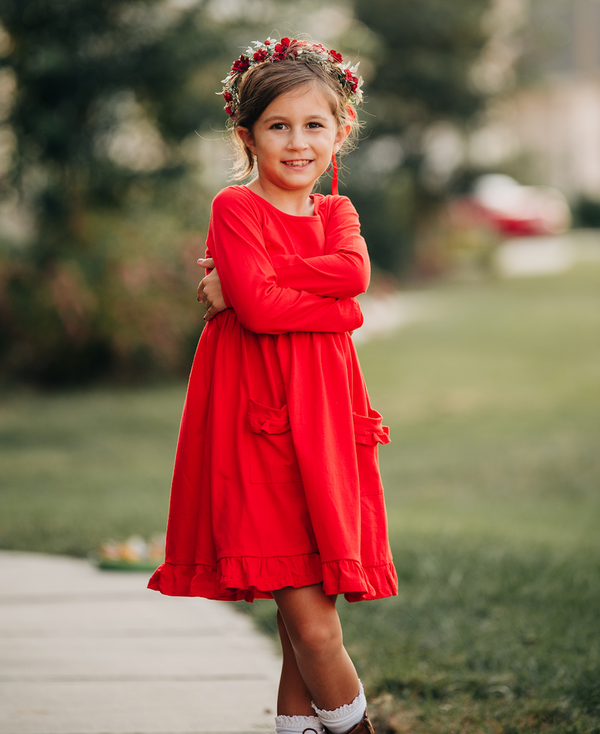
x=292 y=49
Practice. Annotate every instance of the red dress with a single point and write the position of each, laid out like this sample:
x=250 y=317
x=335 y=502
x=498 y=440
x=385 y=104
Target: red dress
x=276 y=479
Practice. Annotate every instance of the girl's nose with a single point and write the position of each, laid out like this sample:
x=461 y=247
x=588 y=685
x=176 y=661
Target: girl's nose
x=297 y=140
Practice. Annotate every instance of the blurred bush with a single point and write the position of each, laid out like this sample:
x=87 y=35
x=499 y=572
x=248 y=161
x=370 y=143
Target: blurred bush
x=99 y=101
x=586 y=212
x=119 y=309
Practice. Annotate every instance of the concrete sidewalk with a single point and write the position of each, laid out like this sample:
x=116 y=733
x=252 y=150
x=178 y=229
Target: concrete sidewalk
x=84 y=651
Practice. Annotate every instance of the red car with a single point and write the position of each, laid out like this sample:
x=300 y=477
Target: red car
x=514 y=210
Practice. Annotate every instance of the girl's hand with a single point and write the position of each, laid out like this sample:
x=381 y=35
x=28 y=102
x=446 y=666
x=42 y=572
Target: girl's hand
x=210 y=291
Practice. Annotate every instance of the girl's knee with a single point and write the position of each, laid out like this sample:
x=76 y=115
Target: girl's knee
x=310 y=620
x=318 y=637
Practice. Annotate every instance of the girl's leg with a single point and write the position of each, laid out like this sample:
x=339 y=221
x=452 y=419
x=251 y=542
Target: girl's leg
x=314 y=634
x=293 y=698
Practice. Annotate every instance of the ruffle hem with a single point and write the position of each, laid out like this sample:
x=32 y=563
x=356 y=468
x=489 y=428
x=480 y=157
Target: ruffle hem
x=247 y=578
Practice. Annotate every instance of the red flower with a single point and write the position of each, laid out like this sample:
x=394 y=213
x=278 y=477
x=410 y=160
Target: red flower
x=241 y=64
x=283 y=45
x=352 y=79
x=227 y=96
x=267 y=42
x=229 y=110
x=261 y=55
x=336 y=56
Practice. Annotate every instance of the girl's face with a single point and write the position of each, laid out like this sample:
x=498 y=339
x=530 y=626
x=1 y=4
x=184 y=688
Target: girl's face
x=294 y=138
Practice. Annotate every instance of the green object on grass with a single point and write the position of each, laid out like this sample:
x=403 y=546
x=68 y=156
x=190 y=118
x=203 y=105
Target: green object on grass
x=108 y=564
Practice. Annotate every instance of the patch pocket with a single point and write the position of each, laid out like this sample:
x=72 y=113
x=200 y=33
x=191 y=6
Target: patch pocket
x=272 y=454
x=369 y=432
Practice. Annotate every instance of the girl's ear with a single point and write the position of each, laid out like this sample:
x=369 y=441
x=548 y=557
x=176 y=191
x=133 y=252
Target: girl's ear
x=246 y=137
x=342 y=134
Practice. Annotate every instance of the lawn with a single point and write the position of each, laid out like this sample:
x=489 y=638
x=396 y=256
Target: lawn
x=493 y=491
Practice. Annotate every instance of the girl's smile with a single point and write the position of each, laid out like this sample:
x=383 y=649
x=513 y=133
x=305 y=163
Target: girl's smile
x=293 y=141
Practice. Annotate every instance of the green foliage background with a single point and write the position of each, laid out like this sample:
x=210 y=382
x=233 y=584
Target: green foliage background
x=422 y=56
x=102 y=284
x=102 y=288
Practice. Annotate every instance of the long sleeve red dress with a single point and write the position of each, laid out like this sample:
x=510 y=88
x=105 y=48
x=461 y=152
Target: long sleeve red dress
x=276 y=480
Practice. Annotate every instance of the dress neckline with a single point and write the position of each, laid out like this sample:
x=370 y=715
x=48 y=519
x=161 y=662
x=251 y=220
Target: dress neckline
x=310 y=217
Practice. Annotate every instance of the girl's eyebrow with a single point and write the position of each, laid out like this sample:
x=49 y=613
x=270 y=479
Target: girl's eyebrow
x=282 y=118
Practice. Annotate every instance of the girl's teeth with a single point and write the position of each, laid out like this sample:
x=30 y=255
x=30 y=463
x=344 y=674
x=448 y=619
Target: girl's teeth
x=296 y=163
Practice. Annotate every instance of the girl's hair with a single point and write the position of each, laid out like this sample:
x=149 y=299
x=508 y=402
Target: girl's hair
x=264 y=83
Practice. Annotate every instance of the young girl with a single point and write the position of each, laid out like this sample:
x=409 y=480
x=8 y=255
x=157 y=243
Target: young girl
x=276 y=490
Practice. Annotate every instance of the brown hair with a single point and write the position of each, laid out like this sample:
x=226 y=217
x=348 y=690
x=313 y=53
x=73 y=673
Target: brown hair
x=264 y=83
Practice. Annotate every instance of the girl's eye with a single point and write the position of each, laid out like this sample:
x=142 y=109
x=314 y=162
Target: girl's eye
x=313 y=125
x=277 y=126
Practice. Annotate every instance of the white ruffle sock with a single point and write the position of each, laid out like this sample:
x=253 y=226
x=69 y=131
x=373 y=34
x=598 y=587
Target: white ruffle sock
x=346 y=717
x=297 y=724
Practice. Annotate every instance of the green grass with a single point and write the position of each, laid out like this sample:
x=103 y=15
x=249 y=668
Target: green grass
x=80 y=467
x=495 y=413
x=493 y=492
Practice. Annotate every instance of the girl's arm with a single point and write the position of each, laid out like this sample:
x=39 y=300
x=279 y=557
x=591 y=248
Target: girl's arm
x=345 y=268
x=250 y=282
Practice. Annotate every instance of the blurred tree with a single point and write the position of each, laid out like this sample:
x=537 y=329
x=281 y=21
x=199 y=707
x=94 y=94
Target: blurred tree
x=99 y=101
x=103 y=93
x=421 y=58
